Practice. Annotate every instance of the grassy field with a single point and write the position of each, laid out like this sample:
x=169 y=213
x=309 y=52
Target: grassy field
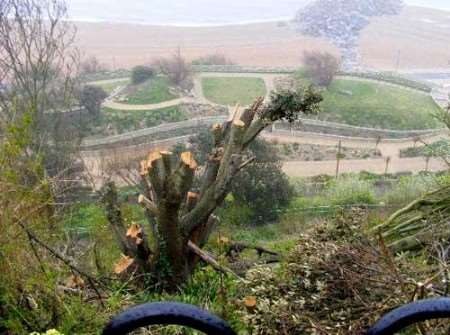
x=231 y=91
x=153 y=91
x=377 y=105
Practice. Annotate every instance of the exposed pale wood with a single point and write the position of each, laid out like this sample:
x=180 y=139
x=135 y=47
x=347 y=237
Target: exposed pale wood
x=156 y=170
x=188 y=159
x=135 y=233
x=124 y=265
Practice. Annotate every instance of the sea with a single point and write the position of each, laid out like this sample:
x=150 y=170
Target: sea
x=198 y=12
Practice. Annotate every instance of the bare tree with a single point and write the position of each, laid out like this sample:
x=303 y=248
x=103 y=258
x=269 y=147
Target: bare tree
x=181 y=213
x=92 y=65
x=37 y=66
x=177 y=69
x=321 y=67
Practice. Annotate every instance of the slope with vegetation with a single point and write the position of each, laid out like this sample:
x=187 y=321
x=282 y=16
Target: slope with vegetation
x=218 y=226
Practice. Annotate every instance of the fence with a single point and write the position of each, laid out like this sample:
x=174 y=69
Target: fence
x=301 y=129
x=339 y=129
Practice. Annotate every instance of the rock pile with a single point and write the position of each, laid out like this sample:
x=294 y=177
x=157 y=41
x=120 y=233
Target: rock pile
x=342 y=21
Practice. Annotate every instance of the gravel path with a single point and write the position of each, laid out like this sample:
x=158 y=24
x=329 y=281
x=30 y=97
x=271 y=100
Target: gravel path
x=378 y=166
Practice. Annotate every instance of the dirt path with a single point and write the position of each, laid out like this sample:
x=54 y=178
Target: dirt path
x=378 y=166
x=127 y=107
x=388 y=148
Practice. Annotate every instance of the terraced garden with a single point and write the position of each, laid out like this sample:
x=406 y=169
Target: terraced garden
x=233 y=90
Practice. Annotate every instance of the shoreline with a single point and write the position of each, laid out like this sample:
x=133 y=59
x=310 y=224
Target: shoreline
x=284 y=20
x=225 y=24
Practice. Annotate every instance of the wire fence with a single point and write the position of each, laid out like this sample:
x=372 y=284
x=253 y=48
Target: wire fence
x=278 y=128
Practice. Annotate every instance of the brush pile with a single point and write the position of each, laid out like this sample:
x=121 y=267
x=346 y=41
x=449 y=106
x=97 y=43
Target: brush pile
x=423 y=223
x=335 y=281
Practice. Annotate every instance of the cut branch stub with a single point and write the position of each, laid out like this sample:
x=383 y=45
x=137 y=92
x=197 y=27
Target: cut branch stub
x=156 y=171
x=135 y=233
x=183 y=176
x=124 y=266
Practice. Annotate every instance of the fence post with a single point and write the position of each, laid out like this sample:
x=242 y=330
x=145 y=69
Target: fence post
x=338 y=158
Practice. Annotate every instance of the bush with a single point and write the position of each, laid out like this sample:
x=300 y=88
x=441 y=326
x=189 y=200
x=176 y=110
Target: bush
x=177 y=69
x=350 y=191
x=141 y=73
x=213 y=59
x=91 y=98
x=321 y=67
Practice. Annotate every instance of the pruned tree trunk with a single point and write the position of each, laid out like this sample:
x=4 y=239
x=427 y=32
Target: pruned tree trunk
x=180 y=214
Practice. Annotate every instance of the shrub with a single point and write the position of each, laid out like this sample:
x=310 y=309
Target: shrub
x=350 y=191
x=177 y=69
x=213 y=59
x=91 y=98
x=141 y=73
x=321 y=67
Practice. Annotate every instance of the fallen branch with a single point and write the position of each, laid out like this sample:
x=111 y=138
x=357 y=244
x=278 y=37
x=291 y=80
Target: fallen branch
x=210 y=260
x=238 y=247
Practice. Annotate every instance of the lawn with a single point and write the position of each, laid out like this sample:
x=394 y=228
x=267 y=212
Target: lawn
x=233 y=90
x=370 y=104
x=153 y=91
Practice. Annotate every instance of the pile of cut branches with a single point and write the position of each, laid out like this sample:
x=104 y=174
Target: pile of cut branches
x=424 y=222
x=336 y=281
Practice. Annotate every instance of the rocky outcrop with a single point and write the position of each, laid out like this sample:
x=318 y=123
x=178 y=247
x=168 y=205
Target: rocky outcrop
x=342 y=21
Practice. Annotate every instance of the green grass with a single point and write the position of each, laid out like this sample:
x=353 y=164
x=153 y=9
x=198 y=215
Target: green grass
x=376 y=105
x=111 y=86
x=233 y=90
x=153 y=91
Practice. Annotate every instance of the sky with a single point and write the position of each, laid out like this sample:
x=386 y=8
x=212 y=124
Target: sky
x=197 y=12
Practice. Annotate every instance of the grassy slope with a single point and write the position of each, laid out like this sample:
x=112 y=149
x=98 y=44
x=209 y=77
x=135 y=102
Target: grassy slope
x=377 y=105
x=230 y=91
x=153 y=91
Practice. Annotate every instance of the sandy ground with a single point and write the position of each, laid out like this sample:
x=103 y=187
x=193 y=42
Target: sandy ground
x=418 y=38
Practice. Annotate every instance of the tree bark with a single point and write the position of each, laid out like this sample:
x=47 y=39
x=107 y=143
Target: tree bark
x=184 y=216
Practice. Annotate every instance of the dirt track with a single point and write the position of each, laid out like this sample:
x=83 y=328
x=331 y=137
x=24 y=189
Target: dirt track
x=378 y=166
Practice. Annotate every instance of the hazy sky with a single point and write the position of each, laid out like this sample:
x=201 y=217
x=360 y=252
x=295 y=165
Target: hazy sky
x=197 y=12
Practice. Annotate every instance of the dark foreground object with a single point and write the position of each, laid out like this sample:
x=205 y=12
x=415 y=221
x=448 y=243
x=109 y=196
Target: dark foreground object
x=172 y=313
x=167 y=313
x=413 y=313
